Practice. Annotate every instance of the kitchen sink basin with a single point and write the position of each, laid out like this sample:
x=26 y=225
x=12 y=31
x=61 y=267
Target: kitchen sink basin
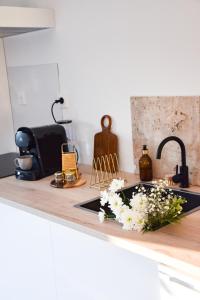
x=192 y=204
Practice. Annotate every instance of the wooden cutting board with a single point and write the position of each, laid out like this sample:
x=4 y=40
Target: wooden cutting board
x=106 y=143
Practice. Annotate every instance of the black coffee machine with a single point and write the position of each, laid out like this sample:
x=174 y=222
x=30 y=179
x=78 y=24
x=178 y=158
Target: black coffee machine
x=44 y=144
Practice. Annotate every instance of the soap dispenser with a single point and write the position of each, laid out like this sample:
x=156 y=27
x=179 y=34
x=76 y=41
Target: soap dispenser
x=145 y=165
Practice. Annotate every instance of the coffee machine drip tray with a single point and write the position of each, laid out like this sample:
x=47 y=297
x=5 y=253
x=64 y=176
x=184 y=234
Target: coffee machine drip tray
x=7 y=166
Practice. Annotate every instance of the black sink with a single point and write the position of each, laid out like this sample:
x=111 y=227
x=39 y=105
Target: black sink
x=192 y=204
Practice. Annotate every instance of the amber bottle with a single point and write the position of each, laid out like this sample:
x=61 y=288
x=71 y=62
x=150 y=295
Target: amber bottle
x=145 y=165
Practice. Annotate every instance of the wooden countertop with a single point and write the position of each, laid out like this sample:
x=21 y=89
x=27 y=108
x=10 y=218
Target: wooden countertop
x=176 y=245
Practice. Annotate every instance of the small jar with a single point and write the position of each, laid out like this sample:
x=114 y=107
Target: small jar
x=59 y=179
x=70 y=176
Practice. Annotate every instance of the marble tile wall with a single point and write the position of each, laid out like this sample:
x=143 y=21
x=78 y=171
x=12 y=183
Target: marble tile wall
x=155 y=118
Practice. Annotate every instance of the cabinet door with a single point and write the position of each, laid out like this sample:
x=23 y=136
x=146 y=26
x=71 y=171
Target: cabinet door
x=91 y=269
x=26 y=270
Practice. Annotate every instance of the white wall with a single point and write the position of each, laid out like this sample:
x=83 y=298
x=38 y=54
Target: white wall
x=7 y=143
x=110 y=50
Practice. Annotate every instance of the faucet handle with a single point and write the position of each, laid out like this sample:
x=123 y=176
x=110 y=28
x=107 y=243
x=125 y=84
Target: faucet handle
x=176 y=177
x=176 y=169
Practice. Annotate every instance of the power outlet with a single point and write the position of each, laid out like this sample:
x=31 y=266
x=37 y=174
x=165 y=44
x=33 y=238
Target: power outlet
x=22 y=99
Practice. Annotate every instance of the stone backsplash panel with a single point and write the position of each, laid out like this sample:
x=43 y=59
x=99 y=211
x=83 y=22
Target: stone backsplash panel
x=155 y=118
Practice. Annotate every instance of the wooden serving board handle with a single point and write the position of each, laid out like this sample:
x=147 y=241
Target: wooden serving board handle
x=103 y=123
x=105 y=142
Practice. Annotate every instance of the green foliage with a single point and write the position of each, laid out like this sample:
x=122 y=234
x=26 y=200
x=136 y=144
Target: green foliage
x=169 y=216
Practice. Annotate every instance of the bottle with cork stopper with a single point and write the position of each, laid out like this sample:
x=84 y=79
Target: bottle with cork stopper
x=145 y=165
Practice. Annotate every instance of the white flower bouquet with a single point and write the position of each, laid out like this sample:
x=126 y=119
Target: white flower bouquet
x=148 y=209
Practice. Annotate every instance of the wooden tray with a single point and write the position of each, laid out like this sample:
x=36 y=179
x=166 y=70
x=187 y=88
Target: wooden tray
x=78 y=183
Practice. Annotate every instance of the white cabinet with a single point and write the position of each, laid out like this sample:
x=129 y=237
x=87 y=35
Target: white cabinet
x=42 y=260
x=26 y=269
x=15 y=20
x=91 y=269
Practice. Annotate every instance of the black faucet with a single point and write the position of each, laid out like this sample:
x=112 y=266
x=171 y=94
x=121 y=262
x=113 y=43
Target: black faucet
x=181 y=177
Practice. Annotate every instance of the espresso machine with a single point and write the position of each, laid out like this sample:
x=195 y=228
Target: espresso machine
x=44 y=144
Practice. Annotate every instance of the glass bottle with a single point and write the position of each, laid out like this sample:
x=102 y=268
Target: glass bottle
x=145 y=165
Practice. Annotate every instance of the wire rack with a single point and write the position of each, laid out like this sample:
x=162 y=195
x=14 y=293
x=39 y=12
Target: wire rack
x=105 y=168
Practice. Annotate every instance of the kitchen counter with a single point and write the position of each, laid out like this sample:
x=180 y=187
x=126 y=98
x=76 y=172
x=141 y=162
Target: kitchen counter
x=177 y=245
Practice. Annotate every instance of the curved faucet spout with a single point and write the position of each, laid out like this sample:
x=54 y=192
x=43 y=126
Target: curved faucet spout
x=181 y=144
x=181 y=177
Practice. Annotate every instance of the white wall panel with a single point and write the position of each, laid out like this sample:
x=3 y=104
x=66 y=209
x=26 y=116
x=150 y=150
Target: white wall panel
x=32 y=91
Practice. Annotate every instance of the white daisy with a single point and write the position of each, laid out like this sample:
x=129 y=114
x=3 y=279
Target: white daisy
x=116 y=185
x=127 y=219
x=115 y=202
x=104 y=197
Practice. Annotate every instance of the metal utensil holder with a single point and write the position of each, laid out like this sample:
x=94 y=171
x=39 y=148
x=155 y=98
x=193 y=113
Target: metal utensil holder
x=105 y=168
x=69 y=159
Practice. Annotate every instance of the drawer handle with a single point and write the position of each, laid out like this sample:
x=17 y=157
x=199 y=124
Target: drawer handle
x=183 y=283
